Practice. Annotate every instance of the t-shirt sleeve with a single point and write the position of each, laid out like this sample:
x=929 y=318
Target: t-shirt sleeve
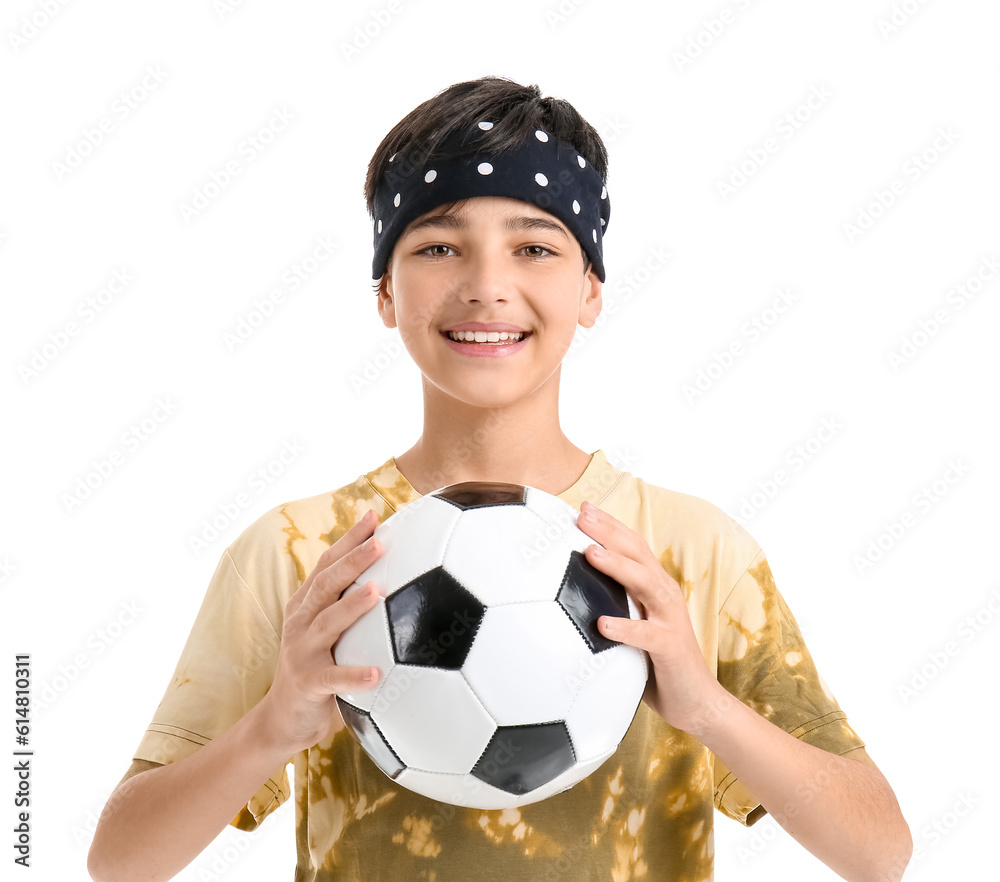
x=764 y=662
x=228 y=662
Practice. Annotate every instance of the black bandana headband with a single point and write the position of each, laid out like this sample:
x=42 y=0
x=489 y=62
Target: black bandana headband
x=543 y=171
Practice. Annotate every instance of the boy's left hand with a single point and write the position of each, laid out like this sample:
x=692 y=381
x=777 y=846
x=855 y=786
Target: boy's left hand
x=681 y=687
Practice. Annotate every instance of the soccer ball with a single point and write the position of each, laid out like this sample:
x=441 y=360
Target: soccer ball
x=496 y=689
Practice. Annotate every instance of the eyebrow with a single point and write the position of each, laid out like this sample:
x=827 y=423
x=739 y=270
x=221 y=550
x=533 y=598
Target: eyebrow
x=458 y=222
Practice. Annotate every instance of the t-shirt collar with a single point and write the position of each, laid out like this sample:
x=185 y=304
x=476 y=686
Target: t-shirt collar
x=597 y=480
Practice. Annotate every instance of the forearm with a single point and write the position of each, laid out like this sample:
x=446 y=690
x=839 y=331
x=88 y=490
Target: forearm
x=841 y=810
x=157 y=822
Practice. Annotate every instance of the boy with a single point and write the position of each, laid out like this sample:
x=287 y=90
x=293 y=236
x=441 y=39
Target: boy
x=489 y=211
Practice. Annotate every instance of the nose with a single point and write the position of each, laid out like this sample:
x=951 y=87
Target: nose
x=485 y=276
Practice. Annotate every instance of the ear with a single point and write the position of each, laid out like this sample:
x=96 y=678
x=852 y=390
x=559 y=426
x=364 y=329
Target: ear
x=386 y=304
x=590 y=298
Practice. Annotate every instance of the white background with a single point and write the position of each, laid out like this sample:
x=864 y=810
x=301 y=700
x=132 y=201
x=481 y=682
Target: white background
x=102 y=591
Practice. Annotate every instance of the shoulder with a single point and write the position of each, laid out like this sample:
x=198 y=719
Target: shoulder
x=701 y=546
x=670 y=513
x=285 y=542
x=701 y=514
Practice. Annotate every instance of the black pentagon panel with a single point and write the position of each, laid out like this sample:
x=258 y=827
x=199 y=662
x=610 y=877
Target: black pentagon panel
x=520 y=759
x=587 y=594
x=367 y=733
x=480 y=494
x=433 y=621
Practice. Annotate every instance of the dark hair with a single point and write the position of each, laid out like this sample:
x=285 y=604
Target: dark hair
x=457 y=108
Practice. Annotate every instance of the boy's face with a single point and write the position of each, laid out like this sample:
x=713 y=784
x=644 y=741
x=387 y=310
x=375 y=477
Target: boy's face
x=491 y=260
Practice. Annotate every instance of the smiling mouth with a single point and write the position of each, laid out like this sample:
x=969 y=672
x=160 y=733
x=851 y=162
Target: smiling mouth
x=487 y=337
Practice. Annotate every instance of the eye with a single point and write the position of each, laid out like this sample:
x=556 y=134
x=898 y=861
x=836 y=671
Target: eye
x=430 y=248
x=536 y=249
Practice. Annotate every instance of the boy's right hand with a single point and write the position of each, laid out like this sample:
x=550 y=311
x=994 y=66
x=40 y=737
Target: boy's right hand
x=300 y=705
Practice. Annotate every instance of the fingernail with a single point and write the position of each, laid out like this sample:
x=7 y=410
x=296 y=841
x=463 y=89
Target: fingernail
x=598 y=551
x=587 y=516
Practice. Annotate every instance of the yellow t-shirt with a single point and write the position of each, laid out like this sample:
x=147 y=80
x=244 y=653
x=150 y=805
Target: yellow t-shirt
x=645 y=814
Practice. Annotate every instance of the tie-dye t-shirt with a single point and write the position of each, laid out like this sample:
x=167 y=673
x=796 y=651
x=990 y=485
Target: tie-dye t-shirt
x=647 y=813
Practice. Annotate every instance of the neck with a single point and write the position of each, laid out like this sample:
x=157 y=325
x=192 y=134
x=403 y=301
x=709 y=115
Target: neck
x=520 y=444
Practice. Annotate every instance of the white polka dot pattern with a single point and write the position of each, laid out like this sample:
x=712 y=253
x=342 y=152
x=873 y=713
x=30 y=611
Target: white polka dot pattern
x=543 y=171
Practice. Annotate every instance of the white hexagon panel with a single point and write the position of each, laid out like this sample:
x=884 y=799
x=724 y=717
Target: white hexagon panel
x=539 y=685
x=508 y=568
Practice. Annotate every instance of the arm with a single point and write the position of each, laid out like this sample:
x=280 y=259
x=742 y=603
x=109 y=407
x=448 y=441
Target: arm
x=840 y=808
x=159 y=819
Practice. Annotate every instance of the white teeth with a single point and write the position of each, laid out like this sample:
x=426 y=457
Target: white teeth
x=486 y=336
